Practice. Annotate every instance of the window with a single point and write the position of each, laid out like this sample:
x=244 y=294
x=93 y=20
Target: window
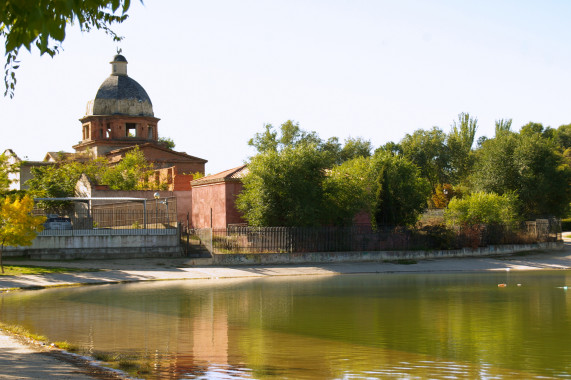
x=131 y=130
x=86 y=132
x=108 y=131
x=150 y=132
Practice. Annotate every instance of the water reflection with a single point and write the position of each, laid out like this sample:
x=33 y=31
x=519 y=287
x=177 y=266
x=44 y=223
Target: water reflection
x=330 y=327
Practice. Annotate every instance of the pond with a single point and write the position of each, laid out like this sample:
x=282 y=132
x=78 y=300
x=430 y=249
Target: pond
x=451 y=325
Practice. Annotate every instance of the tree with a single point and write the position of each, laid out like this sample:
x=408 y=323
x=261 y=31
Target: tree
x=459 y=142
x=18 y=227
x=54 y=181
x=43 y=23
x=428 y=151
x=284 y=188
x=131 y=173
x=354 y=148
x=531 y=128
x=401 y=191
x=291 y=135
x=347 y=191
x=563 y=137
x=528 y=165
x=168 y=142
x=503 y=126
x=483 y=208
x=5 y=170
x=59 y=180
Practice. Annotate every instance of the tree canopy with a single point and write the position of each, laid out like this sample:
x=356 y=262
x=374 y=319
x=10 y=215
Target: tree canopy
x=429 y=152
x=5 y=170
x=401 y=192
x=528 y=165
x=483 y=208
x=42 y=24
x=59 y=180
x=284 y=188
x=18 y=227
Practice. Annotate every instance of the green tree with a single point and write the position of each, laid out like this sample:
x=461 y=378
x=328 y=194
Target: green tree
x=483 y=208
x=54 y=181
x=284 y=188
x=531 y=128
x=459 y=142
x=5 y=170
x=168 y=142
x=347 y=191
x=131 y=173
x=563 y=137
x=401 y=191
x=503 y=126
x=528 y=165
x=354 y=148
x=429 y=152
x=290 y=135
x=43 y=23
x=18 y=227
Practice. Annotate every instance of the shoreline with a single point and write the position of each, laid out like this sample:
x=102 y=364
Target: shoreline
x=160 y=269
x=37 y=361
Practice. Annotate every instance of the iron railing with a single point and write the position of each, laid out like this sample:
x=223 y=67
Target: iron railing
x=240 y=239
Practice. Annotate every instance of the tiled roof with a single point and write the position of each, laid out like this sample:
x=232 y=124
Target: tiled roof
x=230 y=175
x=118 y=87
x=158 y=147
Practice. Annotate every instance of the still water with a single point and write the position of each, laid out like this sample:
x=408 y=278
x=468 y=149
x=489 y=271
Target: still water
x=327 y=327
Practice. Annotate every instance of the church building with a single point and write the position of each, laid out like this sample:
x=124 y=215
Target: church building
x=121 y=117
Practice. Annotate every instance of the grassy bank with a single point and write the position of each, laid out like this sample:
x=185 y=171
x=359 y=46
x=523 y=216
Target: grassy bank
x=19 y=270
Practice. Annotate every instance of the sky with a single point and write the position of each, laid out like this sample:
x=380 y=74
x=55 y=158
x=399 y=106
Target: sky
x=217 y=71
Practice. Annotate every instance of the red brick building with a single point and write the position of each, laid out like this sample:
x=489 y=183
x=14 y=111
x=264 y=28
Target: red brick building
x=214 y=199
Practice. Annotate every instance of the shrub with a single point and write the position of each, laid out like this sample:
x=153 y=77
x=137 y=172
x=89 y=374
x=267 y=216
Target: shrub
x=482 y=208
x=566 y=224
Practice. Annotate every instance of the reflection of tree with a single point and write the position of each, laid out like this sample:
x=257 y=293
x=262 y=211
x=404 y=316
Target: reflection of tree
x=326 y=326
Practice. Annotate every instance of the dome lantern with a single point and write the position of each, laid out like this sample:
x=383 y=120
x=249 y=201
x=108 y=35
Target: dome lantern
x=119 y=65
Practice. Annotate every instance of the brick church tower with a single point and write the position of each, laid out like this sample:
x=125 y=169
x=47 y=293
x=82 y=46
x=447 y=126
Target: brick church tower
x=121 y=117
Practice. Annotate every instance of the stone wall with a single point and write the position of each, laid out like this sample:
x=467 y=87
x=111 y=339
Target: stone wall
x=99 y=247
x=344 y=257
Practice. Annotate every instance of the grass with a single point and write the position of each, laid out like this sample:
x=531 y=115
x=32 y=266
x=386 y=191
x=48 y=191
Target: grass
x=20 y=331
x=567 y=235
x=18 y=270
x=65 y=345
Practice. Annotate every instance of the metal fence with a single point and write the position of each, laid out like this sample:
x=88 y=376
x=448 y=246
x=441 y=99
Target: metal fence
x=240 y=239
x=109 y=221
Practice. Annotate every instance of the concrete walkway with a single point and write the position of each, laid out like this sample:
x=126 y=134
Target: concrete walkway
x=123 y=271
x=21 y=361
x=26 y=361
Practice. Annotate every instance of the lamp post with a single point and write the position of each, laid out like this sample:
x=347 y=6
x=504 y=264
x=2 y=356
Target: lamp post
x=166 y=203
x=157 y=196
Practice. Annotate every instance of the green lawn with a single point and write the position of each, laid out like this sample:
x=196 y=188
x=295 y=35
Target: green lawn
x=18 y=270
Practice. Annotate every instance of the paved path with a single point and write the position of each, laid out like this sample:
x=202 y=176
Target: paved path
x=20 y=361
x=120 y=271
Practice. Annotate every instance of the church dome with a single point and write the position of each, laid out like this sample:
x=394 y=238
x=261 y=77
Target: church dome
x=120 y=95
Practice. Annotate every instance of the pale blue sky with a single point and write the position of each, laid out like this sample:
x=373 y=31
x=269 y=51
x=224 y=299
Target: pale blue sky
x=218 y=70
